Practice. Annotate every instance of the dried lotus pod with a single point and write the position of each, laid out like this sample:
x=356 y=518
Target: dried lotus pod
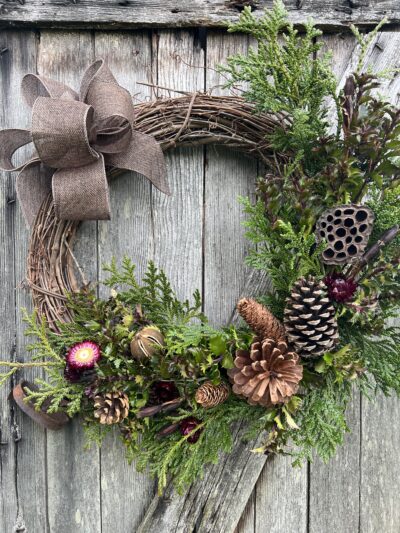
x=346 y=229
x=147 y=342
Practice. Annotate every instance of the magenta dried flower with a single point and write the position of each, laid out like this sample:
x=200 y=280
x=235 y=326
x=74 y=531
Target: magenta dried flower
x=188 y=425
x=340 y=288
x=163 y=391
x=83 y=355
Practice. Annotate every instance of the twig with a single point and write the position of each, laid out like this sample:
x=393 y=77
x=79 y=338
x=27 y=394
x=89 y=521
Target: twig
x=15 y=364
x=155 y=86
x=372 y=252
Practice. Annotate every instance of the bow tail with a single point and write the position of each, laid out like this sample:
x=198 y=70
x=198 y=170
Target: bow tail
x=145 y=156
x=82 y=193
x=33 y=185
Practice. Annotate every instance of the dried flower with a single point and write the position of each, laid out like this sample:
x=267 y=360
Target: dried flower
x=340 y=288
x=163 y=391
x=83 y=356
x=189 y=424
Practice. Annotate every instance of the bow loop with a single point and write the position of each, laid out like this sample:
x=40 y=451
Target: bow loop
x=33 y=86
x=60 y=132
x=70 y=134
x=113 y=135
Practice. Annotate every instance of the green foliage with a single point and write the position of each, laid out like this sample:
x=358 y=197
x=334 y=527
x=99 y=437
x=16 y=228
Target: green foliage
x=380 y=355
x=367 y=157
x=321 y=421
x=386 y=207
x=184 y=462
x=280 y=250
x=285 y=75
x=58 y=393
x=154 y=294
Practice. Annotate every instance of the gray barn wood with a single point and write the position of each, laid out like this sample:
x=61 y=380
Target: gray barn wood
x=48 y=484
x=186 y=13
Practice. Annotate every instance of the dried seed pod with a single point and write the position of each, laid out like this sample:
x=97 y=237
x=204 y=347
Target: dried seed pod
x=268 y=374
x=209 y=395
x=260 y=319
x=309 y=319
x=147 y=342
x=347 y=229
x=111 y=407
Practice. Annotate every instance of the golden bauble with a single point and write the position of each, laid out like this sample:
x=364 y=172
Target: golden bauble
x=147 y=342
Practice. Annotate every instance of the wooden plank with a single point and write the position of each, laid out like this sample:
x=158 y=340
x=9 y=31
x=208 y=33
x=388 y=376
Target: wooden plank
x=380 y=429
x=130 y=232
x=228 y=175
x=247 y=521
x=281 y=497
x=380 y=469
x=330 y=14
x=334 y=487
x=10 y=67
x=27 y=499
x=73 y=474
x=178 y=219
x=334 y=501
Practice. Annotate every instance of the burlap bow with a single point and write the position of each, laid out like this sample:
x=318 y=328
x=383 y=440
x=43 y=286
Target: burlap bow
x=75 y=137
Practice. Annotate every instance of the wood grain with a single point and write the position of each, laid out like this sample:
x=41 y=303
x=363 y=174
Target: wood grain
x=25 y=449
x=331 y=14
x=334 y=487
x=130 y=232
x=178 y=219
x=73 y=474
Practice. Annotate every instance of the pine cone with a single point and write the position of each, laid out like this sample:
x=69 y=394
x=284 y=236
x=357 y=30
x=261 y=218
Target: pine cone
x=267 y=375
x=111 y=408
x=209 y=395
x=260 y=320
x=310 y=319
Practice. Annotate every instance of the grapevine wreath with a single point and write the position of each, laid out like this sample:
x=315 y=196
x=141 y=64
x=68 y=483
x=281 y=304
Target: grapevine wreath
x=324 y=228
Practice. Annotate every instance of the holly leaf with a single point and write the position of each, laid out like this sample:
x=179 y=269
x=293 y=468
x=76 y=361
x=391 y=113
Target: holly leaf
x=218 y=345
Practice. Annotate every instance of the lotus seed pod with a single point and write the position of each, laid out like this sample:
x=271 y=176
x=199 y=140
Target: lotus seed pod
x=147 y=342
x=346 y=229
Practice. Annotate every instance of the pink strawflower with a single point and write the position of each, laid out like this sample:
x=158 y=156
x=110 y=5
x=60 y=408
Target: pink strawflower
x=83 y=355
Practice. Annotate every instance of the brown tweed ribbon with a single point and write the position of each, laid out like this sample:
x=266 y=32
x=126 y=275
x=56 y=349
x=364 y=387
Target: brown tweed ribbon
x=75 y=136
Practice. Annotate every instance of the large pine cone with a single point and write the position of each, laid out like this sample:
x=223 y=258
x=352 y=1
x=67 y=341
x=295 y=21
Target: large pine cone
x=267 y=375
x=310 y=320
x=209 y=395
x=111 y=408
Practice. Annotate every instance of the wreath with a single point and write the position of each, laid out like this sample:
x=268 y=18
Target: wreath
x=324 y=228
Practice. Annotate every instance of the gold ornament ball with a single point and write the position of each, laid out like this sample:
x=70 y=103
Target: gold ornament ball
x=147 y=342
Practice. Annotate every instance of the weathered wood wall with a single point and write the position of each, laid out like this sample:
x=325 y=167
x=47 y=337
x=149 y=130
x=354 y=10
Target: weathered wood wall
x=47 y=482
x=186 y=13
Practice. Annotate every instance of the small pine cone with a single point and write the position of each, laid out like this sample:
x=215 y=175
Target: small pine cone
x=111 y=408
x=209 y=395
x=310 y=320
x=260 y=320
x=268 y=374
